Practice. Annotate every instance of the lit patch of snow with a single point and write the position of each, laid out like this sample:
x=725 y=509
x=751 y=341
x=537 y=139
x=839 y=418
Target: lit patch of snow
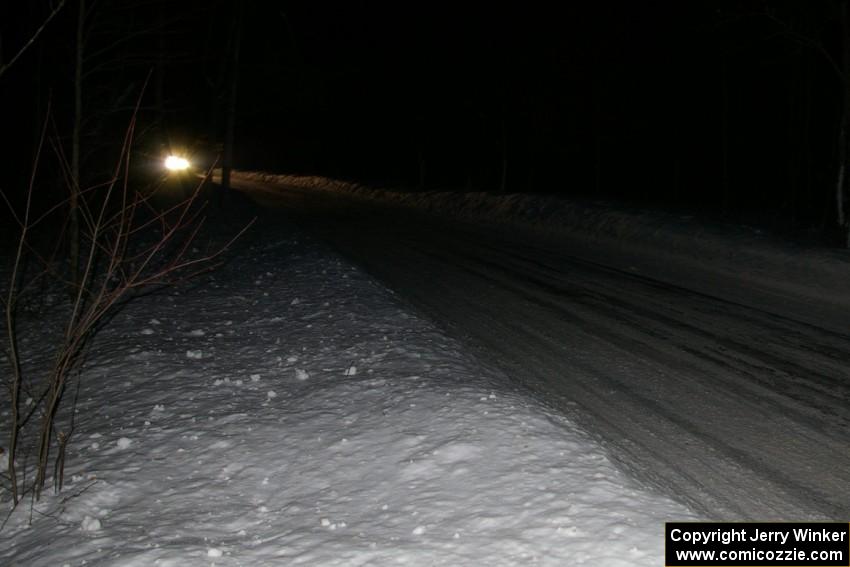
x=401 y=464
x=90 y=524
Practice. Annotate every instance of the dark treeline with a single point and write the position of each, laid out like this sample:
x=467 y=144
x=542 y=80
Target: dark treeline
x=734 y=108
x=96 y=66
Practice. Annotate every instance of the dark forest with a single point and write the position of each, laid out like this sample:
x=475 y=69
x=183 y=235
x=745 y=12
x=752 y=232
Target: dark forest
x=731 y=109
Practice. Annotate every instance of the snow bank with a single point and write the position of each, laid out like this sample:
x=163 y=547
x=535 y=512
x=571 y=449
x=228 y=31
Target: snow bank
x=288 y=411
x=659 y=244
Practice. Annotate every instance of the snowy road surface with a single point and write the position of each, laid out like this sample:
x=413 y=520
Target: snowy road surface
x=739 y=412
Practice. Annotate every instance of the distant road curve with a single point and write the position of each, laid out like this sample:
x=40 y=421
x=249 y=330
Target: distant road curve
x=740 y=412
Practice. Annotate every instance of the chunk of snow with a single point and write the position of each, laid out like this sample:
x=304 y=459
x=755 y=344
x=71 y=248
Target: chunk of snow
x=214 y=552
x=90 y=524
x=194 y=354
x=147 y=331
x=255 y=377
x=301 y=374
x=271 y=394
x=351 y=371
x=124 y=442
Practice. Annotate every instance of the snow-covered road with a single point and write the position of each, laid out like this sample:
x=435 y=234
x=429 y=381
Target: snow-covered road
x=737 y=408
x=288 y=410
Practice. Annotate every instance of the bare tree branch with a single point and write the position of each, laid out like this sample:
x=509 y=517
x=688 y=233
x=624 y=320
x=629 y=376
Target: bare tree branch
x=33 y=38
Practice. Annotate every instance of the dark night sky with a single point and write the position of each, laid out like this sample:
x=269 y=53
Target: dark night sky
x=614 y=100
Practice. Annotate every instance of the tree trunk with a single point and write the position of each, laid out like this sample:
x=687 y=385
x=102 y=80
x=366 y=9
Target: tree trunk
x=420 y=157
x=841 y=187
x=160 y=75
x=807 y=134
x=597 y=163
x=794 y=130
x=76 y=135
x=503 y=183
x=230 y=127
x=725 y=193
x=598 y=144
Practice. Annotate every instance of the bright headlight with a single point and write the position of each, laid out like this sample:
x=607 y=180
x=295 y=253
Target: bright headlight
x=176 y=163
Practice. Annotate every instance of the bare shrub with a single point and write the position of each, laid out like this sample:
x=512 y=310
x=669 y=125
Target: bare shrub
x=127 y=245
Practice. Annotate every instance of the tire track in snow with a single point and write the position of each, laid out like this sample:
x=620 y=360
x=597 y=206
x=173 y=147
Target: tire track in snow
x=738 y=411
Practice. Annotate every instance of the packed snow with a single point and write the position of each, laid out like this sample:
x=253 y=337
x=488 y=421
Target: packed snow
x=676 y=248
x=288 y=410
x=710 y=360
